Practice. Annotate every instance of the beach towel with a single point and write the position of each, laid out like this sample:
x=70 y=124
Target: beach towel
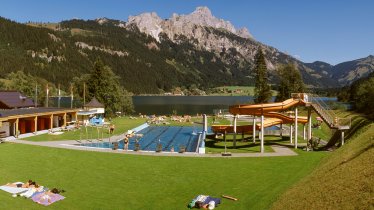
x=33 y=191
x=46 y=199
x=13 y=190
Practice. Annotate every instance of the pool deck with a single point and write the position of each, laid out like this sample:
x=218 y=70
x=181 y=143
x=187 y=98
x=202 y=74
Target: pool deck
x=69 y=144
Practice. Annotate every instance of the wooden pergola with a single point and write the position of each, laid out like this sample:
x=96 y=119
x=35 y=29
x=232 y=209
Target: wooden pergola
x=35 y=119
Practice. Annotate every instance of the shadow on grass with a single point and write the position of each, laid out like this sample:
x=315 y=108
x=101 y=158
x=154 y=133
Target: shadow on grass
x=246 y=144
x=357 y=123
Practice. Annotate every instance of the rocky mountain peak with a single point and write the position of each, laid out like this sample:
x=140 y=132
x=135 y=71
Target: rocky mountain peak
x=152 y=24
x=102 y=20
x=202 y=12
x=243 y=32
x=149 y=23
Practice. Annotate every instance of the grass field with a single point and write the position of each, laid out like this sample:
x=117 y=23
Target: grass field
x=95 y=180
x=122 y=124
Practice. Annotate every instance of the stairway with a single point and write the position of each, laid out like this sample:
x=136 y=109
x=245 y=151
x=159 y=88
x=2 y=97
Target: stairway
x=324 y=111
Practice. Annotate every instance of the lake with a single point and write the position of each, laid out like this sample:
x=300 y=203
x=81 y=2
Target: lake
x=192 y=105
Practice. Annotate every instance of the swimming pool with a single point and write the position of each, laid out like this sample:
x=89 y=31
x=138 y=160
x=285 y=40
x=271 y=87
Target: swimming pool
x=168 y=136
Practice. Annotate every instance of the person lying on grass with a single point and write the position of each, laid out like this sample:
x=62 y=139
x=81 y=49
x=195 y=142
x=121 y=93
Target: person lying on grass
x=48 y=195
x=32 y=191
x=205 y=202
x=28 y=184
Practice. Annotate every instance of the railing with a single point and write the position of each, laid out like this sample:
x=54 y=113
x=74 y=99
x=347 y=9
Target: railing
x=199 y=142
x=324 y=110
x=344 y=123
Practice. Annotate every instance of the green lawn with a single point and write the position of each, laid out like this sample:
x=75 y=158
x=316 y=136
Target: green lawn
x=122 y=124
x=94 y=180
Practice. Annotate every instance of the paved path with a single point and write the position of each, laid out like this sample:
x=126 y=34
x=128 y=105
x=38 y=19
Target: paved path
x=71 y=144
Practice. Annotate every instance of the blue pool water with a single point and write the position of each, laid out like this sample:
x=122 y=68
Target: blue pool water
x=167 y=136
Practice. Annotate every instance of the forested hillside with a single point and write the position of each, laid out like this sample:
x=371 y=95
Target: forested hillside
x=143 y=65
x=58 y=52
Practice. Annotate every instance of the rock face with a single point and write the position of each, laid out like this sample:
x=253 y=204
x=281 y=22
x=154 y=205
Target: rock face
x=153 y=25
x=149 y=23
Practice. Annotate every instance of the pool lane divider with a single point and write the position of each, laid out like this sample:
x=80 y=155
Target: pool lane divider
x=173 y=138
x=155 y=139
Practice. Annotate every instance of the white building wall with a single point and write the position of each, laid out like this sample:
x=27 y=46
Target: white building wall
x=5 y=127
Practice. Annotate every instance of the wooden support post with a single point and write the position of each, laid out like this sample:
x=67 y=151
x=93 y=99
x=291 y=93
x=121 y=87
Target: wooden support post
x=51 y=121
x=296 y=128
x=262 y=134
x=281 y=131
x=304 y=133
x=309 y=127
x=64 y=123
x=224 y=138
x=36 y=124
x=291 y=133
x=342 y=131
x=254 y=129
x=17 y=129
x=234 y=142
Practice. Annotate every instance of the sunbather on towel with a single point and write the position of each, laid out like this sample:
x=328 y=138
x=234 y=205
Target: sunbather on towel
x=28 y=184
x=32 y=191
x=205 y=202
x=49 y=196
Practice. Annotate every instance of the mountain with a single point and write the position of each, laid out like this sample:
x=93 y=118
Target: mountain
x=208 y=33
x=347 y=72
x=151 y=54
x=350 y=71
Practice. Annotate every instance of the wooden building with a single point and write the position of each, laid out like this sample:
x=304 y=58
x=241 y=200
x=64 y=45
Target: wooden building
x=19 y=116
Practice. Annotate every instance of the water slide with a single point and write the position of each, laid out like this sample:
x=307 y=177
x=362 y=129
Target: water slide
x=258 y=109
x=245 y=128
x=268 y=110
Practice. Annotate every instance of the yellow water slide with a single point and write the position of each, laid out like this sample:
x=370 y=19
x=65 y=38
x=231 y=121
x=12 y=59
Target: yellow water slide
x=268 y=110
x=259 y=109
x=245 y=128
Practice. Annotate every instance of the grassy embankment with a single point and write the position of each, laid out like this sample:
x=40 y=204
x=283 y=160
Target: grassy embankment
x=344 y=180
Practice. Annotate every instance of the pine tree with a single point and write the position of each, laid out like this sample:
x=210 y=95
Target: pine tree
x=104 y=85
x=262 y=87
x=290 y=82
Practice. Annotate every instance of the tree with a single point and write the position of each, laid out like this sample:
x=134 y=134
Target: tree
x=26 y=84
x=290 y=82
x=104 y=85
x=363 y=96
x=262 y=88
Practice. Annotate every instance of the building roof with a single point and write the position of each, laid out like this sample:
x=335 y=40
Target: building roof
x=94 y=103
x=14 y=99
x=11 y=113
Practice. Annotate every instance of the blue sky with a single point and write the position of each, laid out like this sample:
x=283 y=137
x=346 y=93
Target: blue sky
x=333 y=31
